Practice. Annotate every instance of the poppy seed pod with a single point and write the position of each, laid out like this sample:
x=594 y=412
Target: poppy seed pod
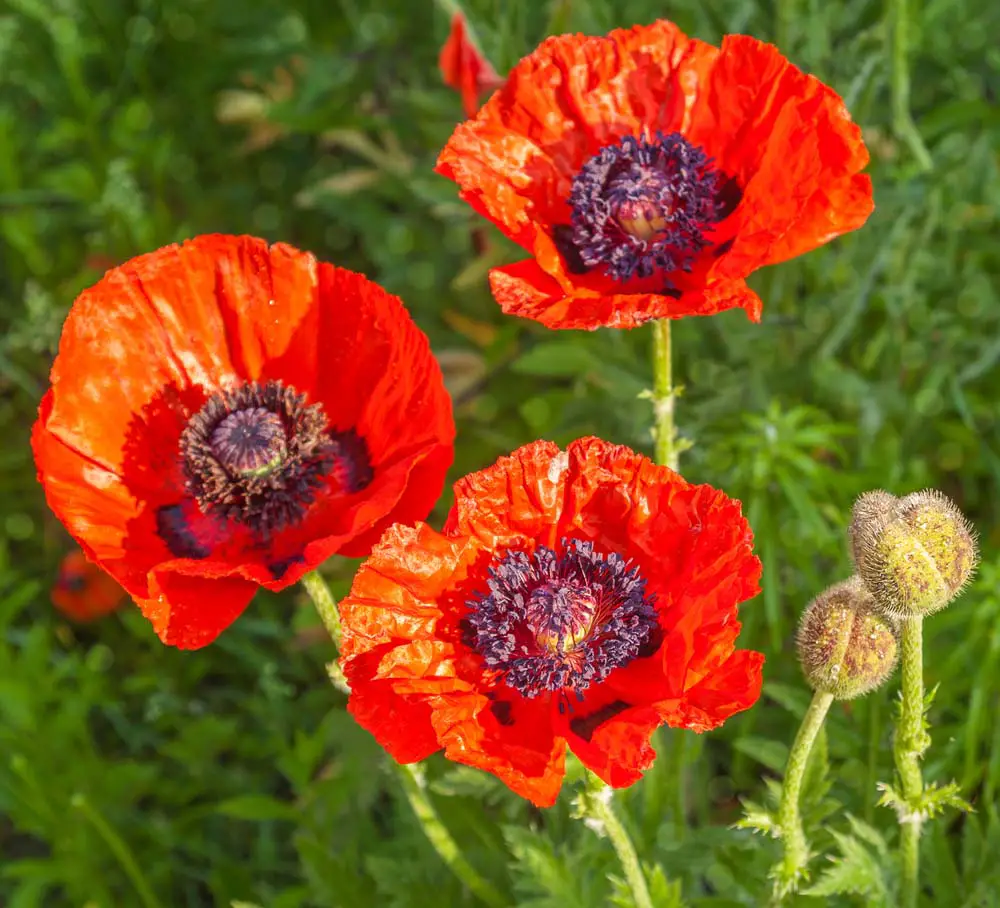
x=846 y=647
x=915 y=554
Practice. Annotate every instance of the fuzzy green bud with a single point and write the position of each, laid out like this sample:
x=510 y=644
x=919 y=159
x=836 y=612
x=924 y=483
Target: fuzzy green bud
x=915 y=554
x=869 y=510
x=847 y=647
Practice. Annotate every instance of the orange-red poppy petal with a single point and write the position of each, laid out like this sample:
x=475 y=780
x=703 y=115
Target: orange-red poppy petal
x=524 y=289
x=790 y=142
x=191 y=611
x=559 y=106
x=464 y=68
x=732 y=688
x=506 y=735
x=610 y=735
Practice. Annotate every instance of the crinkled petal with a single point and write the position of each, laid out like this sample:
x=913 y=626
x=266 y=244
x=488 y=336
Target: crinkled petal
x=790 y=142
x=733 y=687
x=610 y=733
x=190 y=612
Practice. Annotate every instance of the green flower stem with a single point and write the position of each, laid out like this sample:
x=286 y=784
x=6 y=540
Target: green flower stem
x=410 y=776
x=902 y=120
x=597 y=801
x=668 y=453
x=667 y=450
x=415 y=787
x=325 y=604
x=120 y=850
x=911 y=741
x=793 y=839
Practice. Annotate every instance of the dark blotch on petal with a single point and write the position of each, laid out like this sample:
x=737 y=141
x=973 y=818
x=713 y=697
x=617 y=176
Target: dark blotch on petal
x=723 y=248
x=562 y=236
x=72 y=583
x=501 y=710
x=585 y=726
x=352 y=464
x=172 y=527
x=652 y=644
x=278 y=569
x=727 y=198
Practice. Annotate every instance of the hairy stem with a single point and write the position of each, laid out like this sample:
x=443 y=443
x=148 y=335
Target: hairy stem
x=668 y=454
x=795 y=848
x=411 y=776
x=664 y=430
x=598 y=801
x=323 y=599
x=414 y=786
x=911 y=740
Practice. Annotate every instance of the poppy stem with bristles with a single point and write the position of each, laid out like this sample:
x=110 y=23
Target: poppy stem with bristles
x=325 y=604
x=664 y=431
x=411 y=776
x=668 y=454
x=794 y=847
x=597 y=801
x=911 y=740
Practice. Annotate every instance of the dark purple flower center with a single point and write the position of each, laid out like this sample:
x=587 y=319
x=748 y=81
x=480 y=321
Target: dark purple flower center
x=257 y=455
x=641 y=207
x=561 y=622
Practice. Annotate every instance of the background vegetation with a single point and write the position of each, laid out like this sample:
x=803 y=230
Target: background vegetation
x=132 y=774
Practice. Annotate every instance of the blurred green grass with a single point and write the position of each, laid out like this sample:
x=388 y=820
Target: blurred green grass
x=233 y=773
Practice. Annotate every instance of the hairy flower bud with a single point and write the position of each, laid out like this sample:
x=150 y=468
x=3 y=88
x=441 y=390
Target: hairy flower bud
x=870 y=510
x=915 y=554
x=846 y=646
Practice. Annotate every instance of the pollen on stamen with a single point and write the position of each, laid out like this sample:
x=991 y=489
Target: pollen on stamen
x=260 y=454
x=642 y=207
x=559 y=623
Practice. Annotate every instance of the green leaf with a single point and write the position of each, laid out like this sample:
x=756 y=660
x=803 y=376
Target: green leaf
x=556 y=359
x=544 y=877
x=663 y=893
x=256 y=807
x=772 y=754
x=756 y=818
x=931 y=802
x=859 y=868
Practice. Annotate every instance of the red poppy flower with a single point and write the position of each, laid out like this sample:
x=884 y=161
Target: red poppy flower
x=574 y=599
x=226 y=415
x=649 y=174
x=464 y=68
x=82 y=591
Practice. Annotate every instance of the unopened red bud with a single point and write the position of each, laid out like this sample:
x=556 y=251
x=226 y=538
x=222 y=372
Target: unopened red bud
x=915 y=554
x=847 y=647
